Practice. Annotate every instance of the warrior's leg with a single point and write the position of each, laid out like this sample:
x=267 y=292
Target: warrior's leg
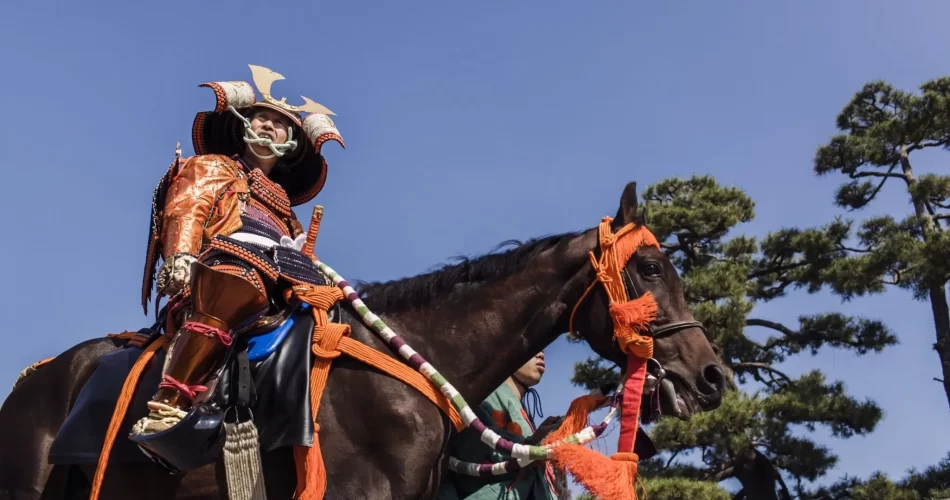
x=224 y=298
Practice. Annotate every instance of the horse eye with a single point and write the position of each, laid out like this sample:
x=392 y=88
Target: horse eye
x=652 y=269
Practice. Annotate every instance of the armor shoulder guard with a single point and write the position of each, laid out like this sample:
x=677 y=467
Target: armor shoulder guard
x=154 y=247
x=221 y=166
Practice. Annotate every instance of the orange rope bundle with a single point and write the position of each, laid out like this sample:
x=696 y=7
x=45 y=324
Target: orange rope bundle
x=330 y=340
x=576 y=418
x=311 y=472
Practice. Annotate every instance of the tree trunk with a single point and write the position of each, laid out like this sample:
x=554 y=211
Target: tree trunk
x=937 y=292
x=758 y=476
x=938 y=303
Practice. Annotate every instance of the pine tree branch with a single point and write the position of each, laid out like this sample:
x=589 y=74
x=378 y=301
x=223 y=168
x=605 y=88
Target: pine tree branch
x=812 y=335
x=762 y=366
x=781 y=481
x=927 y=144
x=933 y=214
x=895 y=281
x=723 y=474
x=770 y=324
x=764 y=272
x=898 y=277
x=880 y=185
x=855 y=175
x=672 y=457
x=855 y=250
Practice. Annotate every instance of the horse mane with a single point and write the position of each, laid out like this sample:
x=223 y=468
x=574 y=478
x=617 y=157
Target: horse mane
x=423 y=289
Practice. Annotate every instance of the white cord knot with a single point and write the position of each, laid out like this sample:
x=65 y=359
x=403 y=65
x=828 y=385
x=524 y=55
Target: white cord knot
x=250 y=137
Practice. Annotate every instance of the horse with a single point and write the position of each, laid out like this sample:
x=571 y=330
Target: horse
x=477 y=321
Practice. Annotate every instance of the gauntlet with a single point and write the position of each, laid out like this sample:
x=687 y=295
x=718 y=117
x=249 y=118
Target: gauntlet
x=175 y=274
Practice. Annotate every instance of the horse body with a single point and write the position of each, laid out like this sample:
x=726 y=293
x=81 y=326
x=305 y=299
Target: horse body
x=36 y=409
x=477 y=322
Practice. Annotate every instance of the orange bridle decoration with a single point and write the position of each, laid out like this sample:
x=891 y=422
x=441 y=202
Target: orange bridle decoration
x=613 y=479
x=629 y=316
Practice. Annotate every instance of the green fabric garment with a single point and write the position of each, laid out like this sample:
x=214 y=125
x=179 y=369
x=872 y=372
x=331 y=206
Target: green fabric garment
x=501 y=406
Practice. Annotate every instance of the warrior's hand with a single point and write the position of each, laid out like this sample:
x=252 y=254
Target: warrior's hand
x=175 y=274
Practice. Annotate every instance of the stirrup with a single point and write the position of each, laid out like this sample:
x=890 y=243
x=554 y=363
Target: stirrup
x=193 y=442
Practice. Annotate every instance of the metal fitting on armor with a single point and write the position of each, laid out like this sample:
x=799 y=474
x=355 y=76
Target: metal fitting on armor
x=175 y=273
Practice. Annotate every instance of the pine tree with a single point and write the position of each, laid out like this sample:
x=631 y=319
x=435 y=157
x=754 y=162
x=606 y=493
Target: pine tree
x=933 y=483
x=751 y=437
x=881 y=127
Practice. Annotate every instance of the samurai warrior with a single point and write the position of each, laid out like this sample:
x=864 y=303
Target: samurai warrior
x=223 y=224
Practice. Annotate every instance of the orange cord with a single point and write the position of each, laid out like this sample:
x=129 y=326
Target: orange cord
x=330 y=340
x=576 y=418
x=121 y=406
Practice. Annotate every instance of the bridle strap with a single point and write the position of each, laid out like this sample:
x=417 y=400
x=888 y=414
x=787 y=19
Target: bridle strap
x=629 y=286
x=672 y=328
x=653 y=330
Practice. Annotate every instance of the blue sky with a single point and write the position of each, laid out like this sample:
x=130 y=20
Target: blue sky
x=466 y=124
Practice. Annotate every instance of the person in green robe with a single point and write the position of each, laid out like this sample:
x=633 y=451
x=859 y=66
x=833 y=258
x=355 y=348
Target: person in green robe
x=505 y=407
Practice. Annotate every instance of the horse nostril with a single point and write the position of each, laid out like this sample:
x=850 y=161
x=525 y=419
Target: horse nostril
x=713 y=380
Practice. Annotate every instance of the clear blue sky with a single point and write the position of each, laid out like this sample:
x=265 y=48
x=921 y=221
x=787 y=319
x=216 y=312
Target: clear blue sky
x=466 y=124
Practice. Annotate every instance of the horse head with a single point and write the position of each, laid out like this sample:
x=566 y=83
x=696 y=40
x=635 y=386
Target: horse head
x=684 y=365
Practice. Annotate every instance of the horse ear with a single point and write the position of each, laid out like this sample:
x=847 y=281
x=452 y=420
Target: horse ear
x=627 y=212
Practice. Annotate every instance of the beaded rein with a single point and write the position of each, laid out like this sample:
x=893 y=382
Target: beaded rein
x=521 y=454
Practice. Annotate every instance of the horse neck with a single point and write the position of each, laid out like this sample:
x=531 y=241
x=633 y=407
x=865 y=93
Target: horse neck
x=481 y=333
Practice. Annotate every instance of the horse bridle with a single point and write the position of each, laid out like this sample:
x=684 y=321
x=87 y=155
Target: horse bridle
x=652 y=329
x=655 y=371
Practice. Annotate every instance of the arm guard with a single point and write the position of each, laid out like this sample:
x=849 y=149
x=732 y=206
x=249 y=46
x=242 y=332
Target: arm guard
x=175 y=273
x=183 y=207
x=190 y=203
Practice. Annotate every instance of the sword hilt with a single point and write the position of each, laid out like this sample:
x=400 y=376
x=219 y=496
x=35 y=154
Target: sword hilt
x=311 y=243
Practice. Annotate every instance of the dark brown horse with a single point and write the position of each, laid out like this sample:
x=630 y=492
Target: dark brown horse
x=476 y=322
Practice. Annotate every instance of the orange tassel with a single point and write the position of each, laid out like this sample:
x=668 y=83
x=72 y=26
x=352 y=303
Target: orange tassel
x=576 y=418
x=606 y=478
x=631 y=317
x=636 y=314
x=311 y=472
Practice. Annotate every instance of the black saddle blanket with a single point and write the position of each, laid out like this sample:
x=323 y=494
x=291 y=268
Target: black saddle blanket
x=281 y=412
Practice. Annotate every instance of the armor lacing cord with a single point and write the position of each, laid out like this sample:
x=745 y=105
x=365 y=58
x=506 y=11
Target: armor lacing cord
x=250 y=137
x=209 y=331
x=188 y=391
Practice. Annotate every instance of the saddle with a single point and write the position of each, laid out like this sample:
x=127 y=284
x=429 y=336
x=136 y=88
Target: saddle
x=269 y=369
